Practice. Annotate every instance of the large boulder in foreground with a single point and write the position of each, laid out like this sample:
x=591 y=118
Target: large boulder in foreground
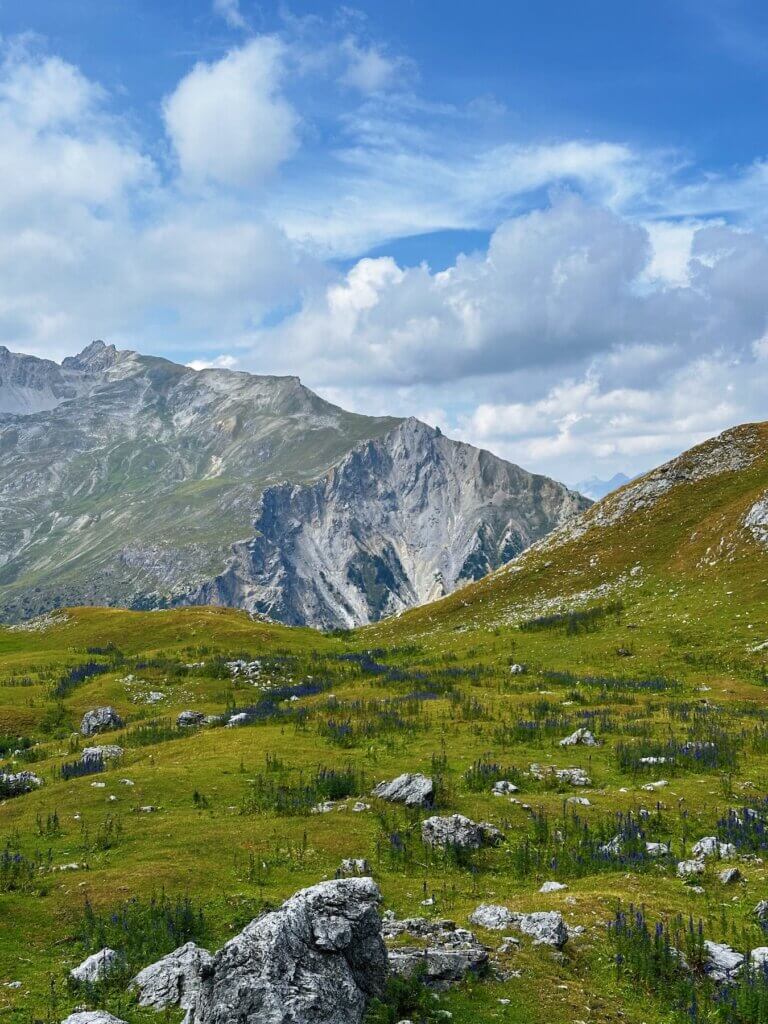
x=100 y=720
x=175 y=980
x=318 y=959
x=411 y=789
x=459 y=832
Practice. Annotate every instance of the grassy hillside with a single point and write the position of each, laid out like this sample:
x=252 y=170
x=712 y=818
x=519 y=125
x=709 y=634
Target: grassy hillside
x=643 y=624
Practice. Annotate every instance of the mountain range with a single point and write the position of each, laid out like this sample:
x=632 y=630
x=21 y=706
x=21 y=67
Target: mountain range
x=131 y=480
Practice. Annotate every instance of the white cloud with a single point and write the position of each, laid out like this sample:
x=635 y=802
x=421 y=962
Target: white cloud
x=228 y=121
x=230 y=11
x=225 y=362
x=368 y=69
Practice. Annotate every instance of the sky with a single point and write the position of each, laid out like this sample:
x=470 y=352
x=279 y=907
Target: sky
x=542 y=227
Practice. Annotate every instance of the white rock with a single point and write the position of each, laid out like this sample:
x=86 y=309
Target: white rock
x=97 y=966
x=552 y=887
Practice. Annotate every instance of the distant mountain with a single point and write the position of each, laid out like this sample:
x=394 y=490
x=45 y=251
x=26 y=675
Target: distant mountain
x=127 y=479
x=595 y=488
x=401 y=520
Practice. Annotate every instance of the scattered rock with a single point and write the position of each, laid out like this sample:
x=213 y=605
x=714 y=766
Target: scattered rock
x=320 y=957
x=650 y=787
x=18 y=783
x=458 y=831
x=95 y=757
x=517 y=670
x=189 y=719
x=441 y=967
x=546 y=927
x=492 y=916
x=689 y=868
x=552 y=887
x=721 y=963
x=240 y=718
x=582 y=801
x=411 y=789
x=581 y=737
x=353 y=866
x=97 y=966
x=761 y=912
x=759 y=956
x=175 y=980
x=729 y=876
x=572 y=776
x=657 y=849
x=503 y=788
x=710 y=846
x=100 y=720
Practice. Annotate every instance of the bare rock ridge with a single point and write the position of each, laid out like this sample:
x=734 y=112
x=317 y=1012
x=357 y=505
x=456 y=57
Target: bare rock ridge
x=131 y=480
x=400 y=521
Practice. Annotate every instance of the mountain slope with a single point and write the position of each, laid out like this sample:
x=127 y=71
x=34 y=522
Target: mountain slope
x=137 y=481
x=134 y=476
x=685 y=548
x=401 y=520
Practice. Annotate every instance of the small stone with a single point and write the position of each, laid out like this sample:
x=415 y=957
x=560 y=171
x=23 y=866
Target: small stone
x=552 y=887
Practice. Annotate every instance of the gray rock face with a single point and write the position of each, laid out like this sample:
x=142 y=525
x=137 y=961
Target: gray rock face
x=319 y=958
x=456 y=830
x=401 y=520
x=545 y=927
x=427 y=513
x=760 y=911
x=92 y=1017
x=175 y=980
x=18 y=783
x=189 y=719
x=97 y=966
x=100 y=720
x=413 y=790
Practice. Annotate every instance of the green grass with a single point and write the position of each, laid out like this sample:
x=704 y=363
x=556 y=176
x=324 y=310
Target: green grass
x=431 y=691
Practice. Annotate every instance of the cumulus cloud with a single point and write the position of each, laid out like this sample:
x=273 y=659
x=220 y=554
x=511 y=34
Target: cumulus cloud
x=228 y=121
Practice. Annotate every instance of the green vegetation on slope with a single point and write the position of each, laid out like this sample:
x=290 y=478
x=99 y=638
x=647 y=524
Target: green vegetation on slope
x=667 y=663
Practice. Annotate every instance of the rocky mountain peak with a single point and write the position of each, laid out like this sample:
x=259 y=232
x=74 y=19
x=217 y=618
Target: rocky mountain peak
x=94 y=358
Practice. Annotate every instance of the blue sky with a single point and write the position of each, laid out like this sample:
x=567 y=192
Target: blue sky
x=541 y=226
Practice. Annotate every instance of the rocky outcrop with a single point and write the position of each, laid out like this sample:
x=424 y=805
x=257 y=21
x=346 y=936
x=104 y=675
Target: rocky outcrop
x=190 y=719
x=581 y=737
x=413 y=790
x=545 y=927
x=175 y=980
x=97 y=967
x=100 y=720
x=450 y=955
x=18 y=783
x=95 y=758
x=458 y=831
x=399 y=521
x=710 y=846
x=319 y=958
